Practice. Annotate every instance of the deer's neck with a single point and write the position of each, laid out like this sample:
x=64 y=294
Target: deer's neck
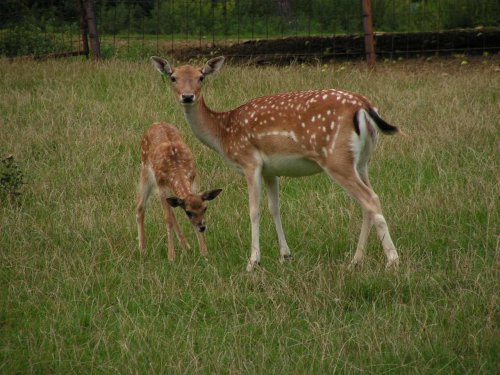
x=181 y=187
x=206 y=124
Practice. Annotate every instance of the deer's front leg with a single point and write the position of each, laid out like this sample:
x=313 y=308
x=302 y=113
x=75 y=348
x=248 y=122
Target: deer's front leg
x=254 y=181
x=272 y=188
x=180 y=235
x=201 y=243
x=169 y=220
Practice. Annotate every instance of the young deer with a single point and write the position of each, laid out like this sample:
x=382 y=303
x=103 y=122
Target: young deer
x=291 y=134
x=167 y=162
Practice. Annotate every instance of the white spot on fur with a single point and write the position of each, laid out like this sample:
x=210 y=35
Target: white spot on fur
x=288 y=134
x=332 y=146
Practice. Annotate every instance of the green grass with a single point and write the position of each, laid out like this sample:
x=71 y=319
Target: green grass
x=77 y=297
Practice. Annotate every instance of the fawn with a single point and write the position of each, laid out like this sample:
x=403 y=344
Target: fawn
x=167 y=162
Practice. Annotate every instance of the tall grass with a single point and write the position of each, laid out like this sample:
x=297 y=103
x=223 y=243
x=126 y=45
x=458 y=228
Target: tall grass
x=77 y=297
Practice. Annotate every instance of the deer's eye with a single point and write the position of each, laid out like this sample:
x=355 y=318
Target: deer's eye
x=202 y=78
x=190 y=214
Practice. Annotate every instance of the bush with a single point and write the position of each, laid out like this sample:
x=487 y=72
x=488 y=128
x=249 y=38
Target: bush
x=11 y=178
x=28 y=40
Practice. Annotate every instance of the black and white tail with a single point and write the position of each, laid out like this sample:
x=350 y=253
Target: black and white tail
x=383 y=126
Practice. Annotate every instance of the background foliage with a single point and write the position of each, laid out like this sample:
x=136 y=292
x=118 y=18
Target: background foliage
x=227 y=17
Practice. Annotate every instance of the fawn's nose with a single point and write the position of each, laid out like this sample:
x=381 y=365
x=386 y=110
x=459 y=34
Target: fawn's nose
x=202 y=228
x=187 y=98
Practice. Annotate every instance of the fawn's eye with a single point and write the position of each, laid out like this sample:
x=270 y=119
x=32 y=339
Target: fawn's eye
x=202 y=78
x=190 y=214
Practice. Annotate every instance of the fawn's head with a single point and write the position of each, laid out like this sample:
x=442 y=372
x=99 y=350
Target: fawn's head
x=195 y=207
x=186 y=79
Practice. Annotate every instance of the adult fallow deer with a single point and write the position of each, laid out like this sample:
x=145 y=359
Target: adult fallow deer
x=291 y=134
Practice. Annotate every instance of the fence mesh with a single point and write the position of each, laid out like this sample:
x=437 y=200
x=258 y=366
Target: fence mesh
x=319 y=28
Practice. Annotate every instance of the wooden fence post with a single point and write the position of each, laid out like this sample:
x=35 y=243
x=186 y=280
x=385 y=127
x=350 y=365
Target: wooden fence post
x=84 y=29
x=368 y=28
x=92 y=28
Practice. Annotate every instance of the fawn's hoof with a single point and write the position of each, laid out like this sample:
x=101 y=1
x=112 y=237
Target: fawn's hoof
x=286 y=258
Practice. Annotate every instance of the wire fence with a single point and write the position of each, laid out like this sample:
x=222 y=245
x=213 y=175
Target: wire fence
x=319 y=28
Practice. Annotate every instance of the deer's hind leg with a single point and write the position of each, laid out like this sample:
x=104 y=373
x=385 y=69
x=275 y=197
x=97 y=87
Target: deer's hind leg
x=145 y=187
x=367 y=223
x=359 y=187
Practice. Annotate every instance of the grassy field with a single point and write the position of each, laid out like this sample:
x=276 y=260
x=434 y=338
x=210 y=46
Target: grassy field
x=77 y=297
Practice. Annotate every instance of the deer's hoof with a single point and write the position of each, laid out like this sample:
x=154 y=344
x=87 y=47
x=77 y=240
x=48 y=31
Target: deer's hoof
x=286 y=258
x=252 y=265
x=392 y=265
x=354 y=265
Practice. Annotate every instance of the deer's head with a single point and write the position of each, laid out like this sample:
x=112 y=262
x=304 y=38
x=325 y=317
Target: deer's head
x=186 y=79
x=195 y=207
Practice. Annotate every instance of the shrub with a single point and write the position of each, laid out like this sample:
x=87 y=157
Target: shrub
x=11 y=178
x=28 y=40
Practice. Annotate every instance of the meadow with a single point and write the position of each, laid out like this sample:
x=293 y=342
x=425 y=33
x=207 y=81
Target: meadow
x=76 y=296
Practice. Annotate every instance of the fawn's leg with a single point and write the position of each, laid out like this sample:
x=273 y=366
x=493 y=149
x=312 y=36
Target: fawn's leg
x=201 y=243
x=145 y=187
x=180 y=236
x=169 y=219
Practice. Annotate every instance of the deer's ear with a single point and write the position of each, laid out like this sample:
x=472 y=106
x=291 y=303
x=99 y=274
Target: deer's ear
x=209 y=195
x=161 y=65
x=175 y=202
x=213 y=65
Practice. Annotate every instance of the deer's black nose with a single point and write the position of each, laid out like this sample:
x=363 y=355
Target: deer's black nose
x=202 y=228
x=187 y=98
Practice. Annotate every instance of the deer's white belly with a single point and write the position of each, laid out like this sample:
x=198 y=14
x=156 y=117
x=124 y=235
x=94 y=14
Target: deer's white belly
x=288 y=165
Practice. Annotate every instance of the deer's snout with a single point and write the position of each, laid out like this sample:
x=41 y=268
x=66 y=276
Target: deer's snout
x=202 y=228
x=187 y=98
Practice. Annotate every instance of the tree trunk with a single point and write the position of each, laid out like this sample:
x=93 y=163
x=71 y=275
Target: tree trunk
x=84 y=29
x=367 y=25
x=92 y=27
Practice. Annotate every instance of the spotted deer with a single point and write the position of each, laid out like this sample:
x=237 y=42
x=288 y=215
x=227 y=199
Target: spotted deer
x=290 y=134
x=167 y=162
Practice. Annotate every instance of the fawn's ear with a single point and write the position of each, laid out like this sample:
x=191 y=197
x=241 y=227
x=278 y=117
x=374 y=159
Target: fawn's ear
x=161 y=65
x=209 y=195
x=213 y=65
x=175 y=202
